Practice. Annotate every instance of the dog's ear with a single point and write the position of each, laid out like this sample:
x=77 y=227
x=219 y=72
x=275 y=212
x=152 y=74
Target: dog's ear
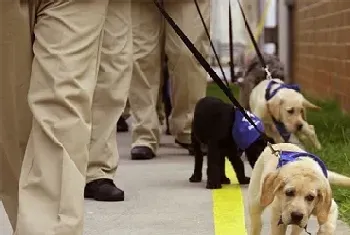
x=274 y=107
x=272 y=183
x=308 y=104
x=303 y=112
x=324 y=204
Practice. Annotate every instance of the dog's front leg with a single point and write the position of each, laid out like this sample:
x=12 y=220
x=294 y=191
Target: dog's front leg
x=310 y=133
x=296 y=230
x=198 y=160
x=238 y=166
x=276 y=228
x=213 y=172
x=223 y=178
x=255 y=211
x=329 y=227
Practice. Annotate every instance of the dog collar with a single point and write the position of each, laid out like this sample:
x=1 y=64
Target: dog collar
x=290 y=156
x=269 y=94
x=281 y=128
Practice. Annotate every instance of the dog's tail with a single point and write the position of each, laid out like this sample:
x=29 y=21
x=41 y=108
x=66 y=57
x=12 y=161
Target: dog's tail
x=338 y=179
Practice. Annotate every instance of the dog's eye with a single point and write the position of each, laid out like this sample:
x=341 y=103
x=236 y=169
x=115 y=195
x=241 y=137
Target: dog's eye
x=290 y=111
x=290 y=193
x=310 y=198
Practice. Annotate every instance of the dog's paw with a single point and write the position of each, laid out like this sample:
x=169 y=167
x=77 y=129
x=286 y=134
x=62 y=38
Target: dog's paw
x=213 y=185
x=225 y=180
x=245 y=180
x=195 y=178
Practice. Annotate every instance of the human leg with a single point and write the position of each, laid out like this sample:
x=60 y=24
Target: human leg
x=147 y=28
x=66 y=55
x=15 y=118
x=109 y=100
x=188 y=78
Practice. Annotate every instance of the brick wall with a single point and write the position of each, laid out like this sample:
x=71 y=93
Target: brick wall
x=321 y=49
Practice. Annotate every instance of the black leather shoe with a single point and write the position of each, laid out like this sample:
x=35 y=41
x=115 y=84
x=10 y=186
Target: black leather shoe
x=142 y=153
x=103 y=190
x=122 y=125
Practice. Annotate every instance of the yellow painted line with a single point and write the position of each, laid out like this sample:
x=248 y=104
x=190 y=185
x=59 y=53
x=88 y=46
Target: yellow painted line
x=228 y=207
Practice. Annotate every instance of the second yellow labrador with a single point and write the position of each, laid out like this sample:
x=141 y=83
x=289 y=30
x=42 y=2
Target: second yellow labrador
x=295 y=186
x=282 y=108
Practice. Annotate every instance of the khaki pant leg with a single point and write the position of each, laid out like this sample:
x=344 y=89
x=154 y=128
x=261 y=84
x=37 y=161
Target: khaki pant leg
x=15 y=118
x=111 y=91
x=188 y=78
x=126 y=112
x=64 y=72
x=147 y=28
x=160 y=104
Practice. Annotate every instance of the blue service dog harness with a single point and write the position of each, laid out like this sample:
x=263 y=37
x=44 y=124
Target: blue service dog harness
x=286 y=157
x=243 y=132
x=268 y=95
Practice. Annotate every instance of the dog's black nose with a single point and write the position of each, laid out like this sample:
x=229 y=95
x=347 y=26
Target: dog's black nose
x=296 y=217
x=299 y=127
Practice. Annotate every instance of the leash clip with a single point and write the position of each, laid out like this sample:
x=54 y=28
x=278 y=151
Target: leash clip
x=274 y=151
x=268 y=73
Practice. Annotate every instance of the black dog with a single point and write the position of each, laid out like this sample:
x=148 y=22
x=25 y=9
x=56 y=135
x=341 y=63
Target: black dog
x=213 y=125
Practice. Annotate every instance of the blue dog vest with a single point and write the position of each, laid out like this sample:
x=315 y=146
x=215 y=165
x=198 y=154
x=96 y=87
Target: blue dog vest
x=268 y=95
x=243 y=132
x=289 y=156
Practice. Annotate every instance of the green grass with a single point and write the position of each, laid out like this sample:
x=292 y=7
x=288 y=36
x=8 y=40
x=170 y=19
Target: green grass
x=333 y=130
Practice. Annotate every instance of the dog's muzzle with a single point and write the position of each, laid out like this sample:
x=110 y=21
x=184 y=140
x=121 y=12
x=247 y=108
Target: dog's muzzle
x=280 y=221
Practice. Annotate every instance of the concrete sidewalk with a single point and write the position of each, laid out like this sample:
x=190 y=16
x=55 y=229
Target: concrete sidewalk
x=159 y=199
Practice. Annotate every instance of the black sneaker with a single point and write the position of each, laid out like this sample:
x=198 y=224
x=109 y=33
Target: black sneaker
x=142 y=153
x=122 y=125
x=103 y=190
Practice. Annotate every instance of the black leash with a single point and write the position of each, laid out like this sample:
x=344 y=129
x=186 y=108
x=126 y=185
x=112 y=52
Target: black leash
x=255 y=44
x=211 y=44
x=232 y=65
x=209 y=70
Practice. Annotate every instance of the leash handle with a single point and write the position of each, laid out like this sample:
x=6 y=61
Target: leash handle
x=232 y=66
x=211 y=43
x=255 y=44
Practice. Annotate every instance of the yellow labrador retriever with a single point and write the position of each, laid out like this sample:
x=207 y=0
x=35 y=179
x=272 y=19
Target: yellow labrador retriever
x=295 y=186
x=282 y=108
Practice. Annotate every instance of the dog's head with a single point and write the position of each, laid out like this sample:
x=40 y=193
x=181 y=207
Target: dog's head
x=300 y=191
x=253 y=67
x=289 y=107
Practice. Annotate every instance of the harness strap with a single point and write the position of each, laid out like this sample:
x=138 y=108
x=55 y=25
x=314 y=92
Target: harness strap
x=269 y=94
x=282 y=130
x=290 y=156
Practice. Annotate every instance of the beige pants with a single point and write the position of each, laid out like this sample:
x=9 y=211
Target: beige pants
x=51 y=48
x=111 y=91
x=188 y=78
